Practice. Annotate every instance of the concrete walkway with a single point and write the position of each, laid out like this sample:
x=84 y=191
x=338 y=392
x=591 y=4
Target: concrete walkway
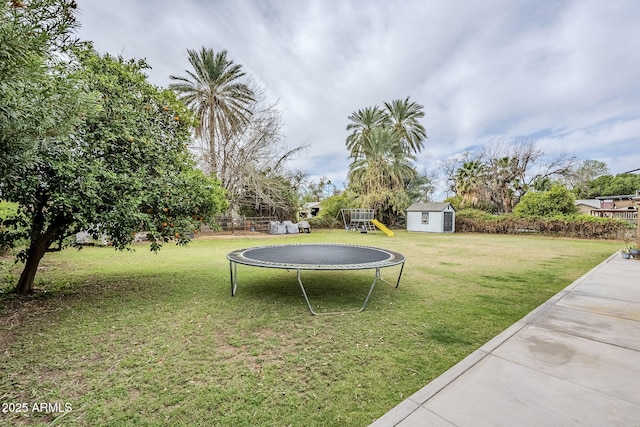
x=573 y=361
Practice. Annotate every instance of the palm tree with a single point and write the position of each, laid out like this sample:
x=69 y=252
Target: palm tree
x=380 y=174
x=215 y=92
x=383 y=144
x=404 y=116
x=362 y=122
x=469 y=181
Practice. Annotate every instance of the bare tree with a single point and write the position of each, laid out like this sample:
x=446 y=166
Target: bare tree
x=509 y=170
x=316 y=191
x=506 y=169
x=250 y=162
x=257 y=145
x=271 y=191
x=578 y=180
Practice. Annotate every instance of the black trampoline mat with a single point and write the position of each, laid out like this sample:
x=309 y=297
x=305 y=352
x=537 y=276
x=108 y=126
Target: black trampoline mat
x=316 y=256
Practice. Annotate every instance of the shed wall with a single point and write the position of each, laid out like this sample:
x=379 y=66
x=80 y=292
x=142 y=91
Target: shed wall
x=436 y=221
x=435 y=225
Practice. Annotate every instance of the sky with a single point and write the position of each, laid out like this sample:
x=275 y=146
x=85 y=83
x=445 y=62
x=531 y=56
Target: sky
x=562 y=73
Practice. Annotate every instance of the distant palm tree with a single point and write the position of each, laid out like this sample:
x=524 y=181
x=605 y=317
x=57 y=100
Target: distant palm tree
x=214 y=91
x=383 y=144
x=362 y=122
x=469 y=180
x=403 y=116
x=383 y=170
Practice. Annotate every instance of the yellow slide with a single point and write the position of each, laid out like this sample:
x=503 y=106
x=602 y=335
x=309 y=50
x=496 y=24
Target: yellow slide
x=382 y=227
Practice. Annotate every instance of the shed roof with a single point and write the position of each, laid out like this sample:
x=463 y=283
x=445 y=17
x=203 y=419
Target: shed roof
x=428 y=207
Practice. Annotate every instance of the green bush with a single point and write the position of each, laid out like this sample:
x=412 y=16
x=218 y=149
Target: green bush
x=329 y=216
x=557 y=201
x=456 y=201
x=324 y=222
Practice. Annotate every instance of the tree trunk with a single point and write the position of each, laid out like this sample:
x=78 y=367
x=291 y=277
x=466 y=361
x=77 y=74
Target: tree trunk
x=38 y=247
x=213 y=160
x=35 y=254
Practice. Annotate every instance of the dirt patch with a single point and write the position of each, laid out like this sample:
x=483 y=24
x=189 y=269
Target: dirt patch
x=254 y=355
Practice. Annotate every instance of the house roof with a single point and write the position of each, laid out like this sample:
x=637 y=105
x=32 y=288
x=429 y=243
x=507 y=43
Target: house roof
x=621 y=197
x=594 y=203
x=428 y=207
x=311 y=205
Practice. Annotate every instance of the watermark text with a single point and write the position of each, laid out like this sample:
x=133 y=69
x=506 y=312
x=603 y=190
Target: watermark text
x=35 y=407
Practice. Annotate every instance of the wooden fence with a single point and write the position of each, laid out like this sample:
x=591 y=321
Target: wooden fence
x=231 y=224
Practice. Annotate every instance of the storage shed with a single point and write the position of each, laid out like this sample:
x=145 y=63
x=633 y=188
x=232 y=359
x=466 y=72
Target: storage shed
x=431 y=217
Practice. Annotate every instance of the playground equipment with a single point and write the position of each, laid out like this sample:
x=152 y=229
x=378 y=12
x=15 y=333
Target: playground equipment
x=382 y=227
x=362 y=220
x=358 y=219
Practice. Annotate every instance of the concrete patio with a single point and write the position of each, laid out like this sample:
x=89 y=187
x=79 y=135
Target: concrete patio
x=573 y=361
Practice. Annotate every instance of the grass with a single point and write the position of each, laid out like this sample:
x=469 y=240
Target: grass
x=133 y=338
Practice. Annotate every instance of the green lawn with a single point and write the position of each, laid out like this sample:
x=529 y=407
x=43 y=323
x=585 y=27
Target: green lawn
x=136 y=338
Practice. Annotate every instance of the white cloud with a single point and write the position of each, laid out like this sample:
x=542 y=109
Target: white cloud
x=563 y=72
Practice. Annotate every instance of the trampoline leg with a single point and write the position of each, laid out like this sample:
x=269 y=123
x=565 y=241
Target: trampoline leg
x=306 y=298
x=399 y=277
x=233 y=274
x=373 y=285
x=304 y=292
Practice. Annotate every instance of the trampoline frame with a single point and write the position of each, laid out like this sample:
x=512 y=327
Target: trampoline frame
x=237 y=257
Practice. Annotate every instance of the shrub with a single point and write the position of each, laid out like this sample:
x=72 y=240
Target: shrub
x=456 y=201
x=557 y=201
x=329 y=216
x=324 y=222
x=582 y=226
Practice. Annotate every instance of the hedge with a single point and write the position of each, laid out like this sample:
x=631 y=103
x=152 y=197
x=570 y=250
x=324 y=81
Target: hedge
x=581 y=226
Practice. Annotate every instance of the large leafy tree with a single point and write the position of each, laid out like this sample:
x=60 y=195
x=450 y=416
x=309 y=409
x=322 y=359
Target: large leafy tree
x=608 y=185
x=35 y=99
x=216 y=92
x=109 y=157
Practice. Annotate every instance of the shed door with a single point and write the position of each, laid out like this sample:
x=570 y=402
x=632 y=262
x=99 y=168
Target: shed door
x=448 y=222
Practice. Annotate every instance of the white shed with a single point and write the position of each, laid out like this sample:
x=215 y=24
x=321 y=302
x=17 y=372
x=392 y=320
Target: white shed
x=431 y=217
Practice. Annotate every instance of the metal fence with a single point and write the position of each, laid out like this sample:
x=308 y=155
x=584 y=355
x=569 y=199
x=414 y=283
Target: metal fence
x=626 y=214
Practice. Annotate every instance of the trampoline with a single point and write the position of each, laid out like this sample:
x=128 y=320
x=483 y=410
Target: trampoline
x=316 y=257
